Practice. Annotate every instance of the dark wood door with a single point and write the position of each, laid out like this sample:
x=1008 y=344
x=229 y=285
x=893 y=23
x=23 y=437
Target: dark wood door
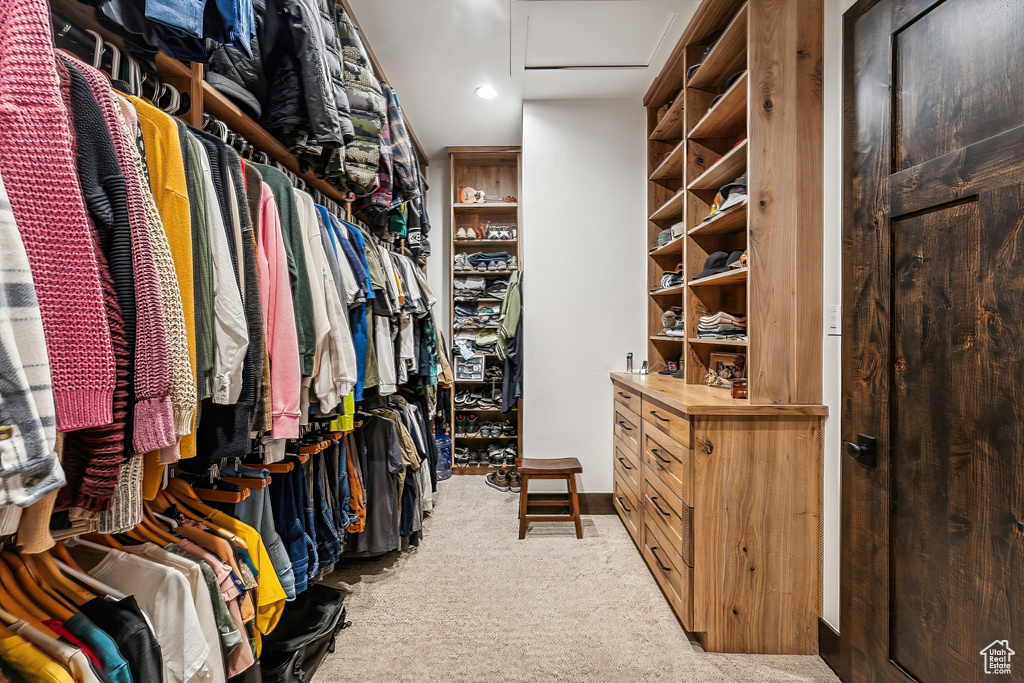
x=932 y=568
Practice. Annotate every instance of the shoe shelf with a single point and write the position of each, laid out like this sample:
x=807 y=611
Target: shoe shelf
x=728 y=117
x=732 y=221
x=726 y=278
x=673 y=247
x=486 y=206
x=671 y=125
x=728 y=56
x=671 y=211
x=668 y=291
x=498 y=172
x=718 y=342
x=723 y=171
x=670 y=172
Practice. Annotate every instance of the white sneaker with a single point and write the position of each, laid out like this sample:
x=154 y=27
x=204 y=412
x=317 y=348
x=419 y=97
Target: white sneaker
x=460 y=262
x=460 y=234
x=513 y=264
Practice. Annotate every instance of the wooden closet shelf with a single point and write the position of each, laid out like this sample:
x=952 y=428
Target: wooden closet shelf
x=728 y=56
x=732 y=221
x=667 y=338
x=487 y=206
x=671 y=125
x=727 y=118
x=667 y=291
x=672 y=167
x=673 y=247
x=476 y=469
x=485 y=438
x=672 y=210
x=220 y=107
x=723 y=171
x=718 y=342
x=483 y=243
x=727 y=278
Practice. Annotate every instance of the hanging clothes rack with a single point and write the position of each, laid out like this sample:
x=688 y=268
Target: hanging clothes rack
x=73 y=19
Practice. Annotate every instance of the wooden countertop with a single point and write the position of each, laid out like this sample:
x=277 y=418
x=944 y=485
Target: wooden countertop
x=697 y=399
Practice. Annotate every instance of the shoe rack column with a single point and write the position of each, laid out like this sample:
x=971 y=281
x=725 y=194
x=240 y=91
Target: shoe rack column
x=486 y=225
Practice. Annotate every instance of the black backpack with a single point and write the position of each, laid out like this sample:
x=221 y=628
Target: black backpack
x=304 y=636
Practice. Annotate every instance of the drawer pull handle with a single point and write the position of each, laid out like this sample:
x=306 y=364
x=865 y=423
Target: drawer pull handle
x=657 y=454
x=654 y=551
x=659 y=417
x=654 y=499
x=624 y=394
x=623 y=504
x=625 y=426
x=625 y=464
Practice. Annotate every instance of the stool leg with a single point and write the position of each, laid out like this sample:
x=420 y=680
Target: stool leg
x=575 y=502
x=522 y=506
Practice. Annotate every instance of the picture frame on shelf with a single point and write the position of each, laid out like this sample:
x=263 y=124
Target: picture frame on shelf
x=728 y=366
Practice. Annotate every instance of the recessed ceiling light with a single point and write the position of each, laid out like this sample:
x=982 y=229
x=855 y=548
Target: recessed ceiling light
x=486 y=92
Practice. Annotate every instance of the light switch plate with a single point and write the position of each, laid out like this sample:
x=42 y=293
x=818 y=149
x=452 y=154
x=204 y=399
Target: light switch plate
x=835 y=320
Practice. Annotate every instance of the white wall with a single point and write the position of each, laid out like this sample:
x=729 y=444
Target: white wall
x=832 y=293
x=439 y=212
x=583 y=235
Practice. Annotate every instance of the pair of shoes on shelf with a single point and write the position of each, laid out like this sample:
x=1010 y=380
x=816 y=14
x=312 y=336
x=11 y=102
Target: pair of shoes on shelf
x=505 y=481
x=467 y=425
x=461 y=457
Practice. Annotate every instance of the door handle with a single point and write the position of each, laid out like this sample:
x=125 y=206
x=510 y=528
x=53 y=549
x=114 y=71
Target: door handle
x=659 y=417
x=654 y=499
x=625 y=426
x=625 y=464
x=623 y=504
x=865 y=451
x=624 y=394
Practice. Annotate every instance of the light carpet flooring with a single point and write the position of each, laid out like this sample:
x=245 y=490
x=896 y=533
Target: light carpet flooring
x=474 y=603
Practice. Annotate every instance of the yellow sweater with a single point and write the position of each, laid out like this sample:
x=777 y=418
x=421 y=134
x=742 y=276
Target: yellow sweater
x=166 y=166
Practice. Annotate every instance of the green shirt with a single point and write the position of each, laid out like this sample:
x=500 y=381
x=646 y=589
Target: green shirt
x=291 y=231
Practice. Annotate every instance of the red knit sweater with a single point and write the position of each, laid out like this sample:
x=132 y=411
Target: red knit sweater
x=38 y=167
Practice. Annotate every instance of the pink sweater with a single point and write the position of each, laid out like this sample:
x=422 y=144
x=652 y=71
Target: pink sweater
x=279 y=321
x=38 y=167
x=154 y=417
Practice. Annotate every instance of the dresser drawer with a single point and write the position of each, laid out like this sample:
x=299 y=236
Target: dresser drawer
x=627 y=427
x=675 y=528
x=670 y=461
x=666 y=420
x=629 y=398
x=627 y=466
x=675 y=578
x=625 y=503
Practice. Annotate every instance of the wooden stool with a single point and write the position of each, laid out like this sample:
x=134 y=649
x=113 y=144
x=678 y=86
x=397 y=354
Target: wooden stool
x=556 y=468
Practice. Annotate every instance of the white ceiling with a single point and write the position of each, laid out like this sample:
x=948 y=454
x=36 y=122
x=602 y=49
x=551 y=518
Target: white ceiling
x=436 y=52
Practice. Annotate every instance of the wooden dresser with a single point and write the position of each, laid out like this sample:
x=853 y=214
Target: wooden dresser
x=723 y=501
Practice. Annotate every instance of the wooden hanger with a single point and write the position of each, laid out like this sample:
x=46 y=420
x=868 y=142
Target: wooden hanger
x=14 y=600
x=248 y=482
x=34 y=591
x=217 y=496
x=273 y=468
x=104 y=539
x=179 y=493
x=48 y=571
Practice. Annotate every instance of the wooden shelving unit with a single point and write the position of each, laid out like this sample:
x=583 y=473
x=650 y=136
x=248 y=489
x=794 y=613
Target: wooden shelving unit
x=498 y=172
x=721 y=135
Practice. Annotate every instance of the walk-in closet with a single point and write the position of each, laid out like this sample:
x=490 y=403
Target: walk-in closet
x=366 y=341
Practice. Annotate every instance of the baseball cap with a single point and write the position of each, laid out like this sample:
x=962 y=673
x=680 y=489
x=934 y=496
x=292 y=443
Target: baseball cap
x=729 y=195
x=714 y=264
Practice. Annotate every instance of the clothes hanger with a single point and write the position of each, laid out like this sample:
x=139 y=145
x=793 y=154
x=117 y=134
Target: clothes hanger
x=179 y=493
x=104 y=540
x=43 y=581
x=22 y=575
x=15 y=601
x=48 y=571
x=97 y=51
x=175 y=103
